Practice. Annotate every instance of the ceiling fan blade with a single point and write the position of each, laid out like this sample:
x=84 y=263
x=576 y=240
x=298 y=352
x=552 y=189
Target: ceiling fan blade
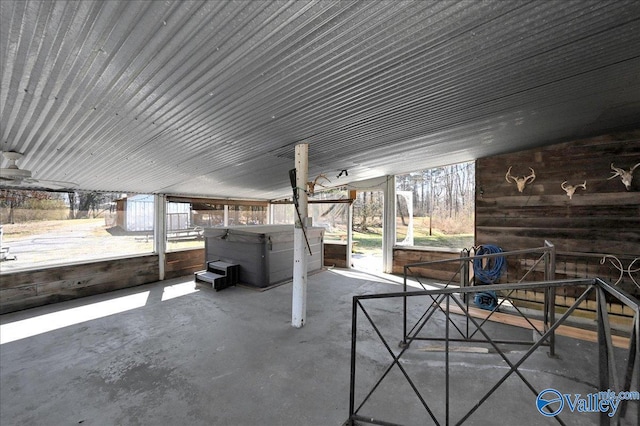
x=37 y=184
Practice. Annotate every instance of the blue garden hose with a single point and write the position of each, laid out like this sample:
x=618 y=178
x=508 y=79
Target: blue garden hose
x=486 y=300
x=492 y=270
x=487 y=274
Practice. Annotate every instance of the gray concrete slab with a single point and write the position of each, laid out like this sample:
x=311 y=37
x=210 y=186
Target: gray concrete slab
x=166 y=354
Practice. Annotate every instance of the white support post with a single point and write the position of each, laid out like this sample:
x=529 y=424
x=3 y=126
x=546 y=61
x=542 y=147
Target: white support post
x=225 y=217
x=299 y=296
x=349 y=233
x=389 y=224
x=160 y=232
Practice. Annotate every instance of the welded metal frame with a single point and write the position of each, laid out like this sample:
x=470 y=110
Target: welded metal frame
x=546 y=256
x=606 y=365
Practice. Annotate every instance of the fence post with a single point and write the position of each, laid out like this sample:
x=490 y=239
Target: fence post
x=603 y=350
x=403 y=342
x=352 y=386
x=550 y=300
x=464 y=278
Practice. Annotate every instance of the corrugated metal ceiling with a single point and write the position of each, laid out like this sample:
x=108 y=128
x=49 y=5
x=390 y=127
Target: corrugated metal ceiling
x=209 y=98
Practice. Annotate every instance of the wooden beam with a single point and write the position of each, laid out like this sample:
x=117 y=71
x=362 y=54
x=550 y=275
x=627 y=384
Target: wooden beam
x=218 y=201
x=518 y=321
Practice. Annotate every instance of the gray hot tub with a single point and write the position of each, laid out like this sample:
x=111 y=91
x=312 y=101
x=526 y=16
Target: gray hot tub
x=264 y=252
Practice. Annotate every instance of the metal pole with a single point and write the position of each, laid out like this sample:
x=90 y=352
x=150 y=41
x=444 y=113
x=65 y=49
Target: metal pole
x=389 y=224
x=352 y=386
x=603 y=353
x=637 y=358
x=446 y=362
x=550 y=272
x=299 y=296
x=160 y=232
x=403 y=342
x=350 y=231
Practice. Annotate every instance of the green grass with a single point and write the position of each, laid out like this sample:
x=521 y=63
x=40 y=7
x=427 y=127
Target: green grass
x=367 y=242
x=371 y=242
x=442 y=240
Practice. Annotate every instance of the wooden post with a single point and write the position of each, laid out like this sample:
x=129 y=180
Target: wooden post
x=299 y=296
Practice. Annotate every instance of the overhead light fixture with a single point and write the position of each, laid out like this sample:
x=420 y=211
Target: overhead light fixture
x=12 y=172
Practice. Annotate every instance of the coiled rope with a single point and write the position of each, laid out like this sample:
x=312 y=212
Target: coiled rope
x=491 y=271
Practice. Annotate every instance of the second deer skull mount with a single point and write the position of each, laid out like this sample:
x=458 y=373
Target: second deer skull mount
x=521 y=181
x=625 y=176
x=571 y=189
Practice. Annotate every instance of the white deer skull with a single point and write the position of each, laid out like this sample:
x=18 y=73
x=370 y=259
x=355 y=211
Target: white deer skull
x=521 y=181
x=625 y=176
x=571 y=189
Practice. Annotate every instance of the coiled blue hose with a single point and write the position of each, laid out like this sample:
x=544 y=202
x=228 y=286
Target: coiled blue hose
x=486 y=300
x=492 y=270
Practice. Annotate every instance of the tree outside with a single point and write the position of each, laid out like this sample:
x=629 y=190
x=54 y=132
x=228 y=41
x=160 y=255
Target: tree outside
x=443 y=206
x=441 y=213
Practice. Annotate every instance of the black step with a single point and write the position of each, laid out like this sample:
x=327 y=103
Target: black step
x=208 y=276
x=230 y=270
x=219 y=274
x=217 y=281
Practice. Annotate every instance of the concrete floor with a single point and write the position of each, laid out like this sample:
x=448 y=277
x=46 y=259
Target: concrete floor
x=167 y=354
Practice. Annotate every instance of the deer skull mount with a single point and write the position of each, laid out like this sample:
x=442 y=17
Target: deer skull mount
x=521 y=181
x=625 y=176
x=571 y=189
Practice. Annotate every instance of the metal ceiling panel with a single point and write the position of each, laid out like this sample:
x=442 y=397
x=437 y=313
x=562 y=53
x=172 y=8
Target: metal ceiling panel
x=209 y=98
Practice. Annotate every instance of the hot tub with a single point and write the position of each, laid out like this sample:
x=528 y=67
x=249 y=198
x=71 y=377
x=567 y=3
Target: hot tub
x=264 y=252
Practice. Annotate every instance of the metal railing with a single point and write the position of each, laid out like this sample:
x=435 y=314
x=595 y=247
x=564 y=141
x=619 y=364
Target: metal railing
x=442 y=301
x=542 y=262
x=619 y=270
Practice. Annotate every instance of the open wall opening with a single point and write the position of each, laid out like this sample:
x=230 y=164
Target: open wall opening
x=435 y=207
x=45 y=228
x=368 y=230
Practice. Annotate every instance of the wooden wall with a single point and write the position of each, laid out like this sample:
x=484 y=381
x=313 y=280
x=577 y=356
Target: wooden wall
x=603 y=219
x=181 y=263
x=442 y=271
x=27 y=289
x=335 y=254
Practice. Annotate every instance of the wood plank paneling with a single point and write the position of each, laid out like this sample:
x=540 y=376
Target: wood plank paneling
x=181 y=263
x=604 y=218
x=335 y=254
x=441 y=271
x=27 y=289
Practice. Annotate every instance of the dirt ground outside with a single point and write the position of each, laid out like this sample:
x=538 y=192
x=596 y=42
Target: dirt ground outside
x=49 y=243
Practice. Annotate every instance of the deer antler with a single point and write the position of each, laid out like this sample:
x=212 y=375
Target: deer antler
x=520 y=181
x=312 y=185
x=508 y=175
x=571 y=189
x=625 y=176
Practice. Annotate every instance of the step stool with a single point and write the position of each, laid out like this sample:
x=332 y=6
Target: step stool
x=219 y=275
